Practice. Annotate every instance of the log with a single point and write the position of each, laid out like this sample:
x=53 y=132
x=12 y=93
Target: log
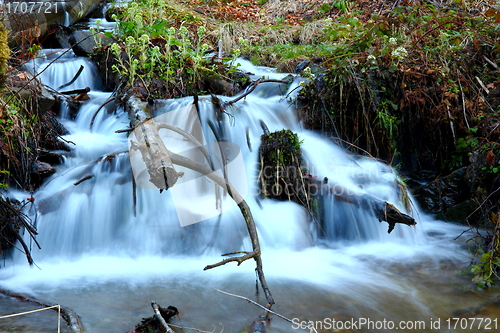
x=384 y=211
x=153 y=151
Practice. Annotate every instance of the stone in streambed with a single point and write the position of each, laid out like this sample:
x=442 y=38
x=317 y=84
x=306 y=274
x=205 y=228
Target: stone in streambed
x=84 y=43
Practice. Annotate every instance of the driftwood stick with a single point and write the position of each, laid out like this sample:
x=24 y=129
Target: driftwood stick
x=195 y=329
x=160 y=318
x=80 y=70
x=124 y=130
x=253 y=302
x=134 y=196
x=249 y=143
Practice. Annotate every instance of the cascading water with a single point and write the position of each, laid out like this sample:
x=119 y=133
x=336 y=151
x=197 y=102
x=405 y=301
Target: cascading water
x=107 y=260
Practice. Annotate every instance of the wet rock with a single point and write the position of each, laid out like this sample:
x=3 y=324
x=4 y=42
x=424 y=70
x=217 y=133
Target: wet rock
x=444 y=192
x=58 y=40
x=302 y=65
x=40 y=171
x=29 y=89
x=42 y=99
x=219 y=86
x=462 y=211
x=84 y=43
x=50 y=157
x=43 y=169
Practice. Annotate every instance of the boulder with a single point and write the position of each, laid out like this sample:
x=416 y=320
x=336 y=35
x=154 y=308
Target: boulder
x=444 y=192
x=39 y=172
x=43 y=169
x=33 y=92
x=83 y=42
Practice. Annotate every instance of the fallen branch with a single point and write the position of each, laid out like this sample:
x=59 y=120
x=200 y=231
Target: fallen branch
x=75 y=91
x=390 y=214
x=196 y=329
x=249 y=144
x=245 y=211
x=159 y=161
x=11 y=220
x=383 y=210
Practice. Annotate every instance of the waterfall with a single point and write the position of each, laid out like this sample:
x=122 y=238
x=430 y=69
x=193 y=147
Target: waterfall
x=91 y=232
x=98 y=215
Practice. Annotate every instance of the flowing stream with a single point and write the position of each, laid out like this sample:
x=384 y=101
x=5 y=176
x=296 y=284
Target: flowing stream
x=107 y=261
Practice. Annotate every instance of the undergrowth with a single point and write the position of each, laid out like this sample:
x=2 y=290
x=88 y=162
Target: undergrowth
x=164 y=51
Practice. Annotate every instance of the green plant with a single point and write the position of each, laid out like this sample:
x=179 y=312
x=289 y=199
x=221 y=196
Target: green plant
x=4 y=186
x=386 y=120
x=485 y=271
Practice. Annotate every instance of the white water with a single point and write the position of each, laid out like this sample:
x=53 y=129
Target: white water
x=107 y=264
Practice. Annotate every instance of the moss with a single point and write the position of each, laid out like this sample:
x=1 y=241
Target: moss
x=4 y=51
x=282 y=174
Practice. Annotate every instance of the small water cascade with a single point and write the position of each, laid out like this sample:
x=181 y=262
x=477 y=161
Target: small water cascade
x=107 y=260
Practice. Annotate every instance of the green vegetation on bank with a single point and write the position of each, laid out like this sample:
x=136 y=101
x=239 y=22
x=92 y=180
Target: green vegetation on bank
x=165 y=51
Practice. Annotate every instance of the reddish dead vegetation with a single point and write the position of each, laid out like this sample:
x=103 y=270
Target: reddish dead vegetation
x=292 y=12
